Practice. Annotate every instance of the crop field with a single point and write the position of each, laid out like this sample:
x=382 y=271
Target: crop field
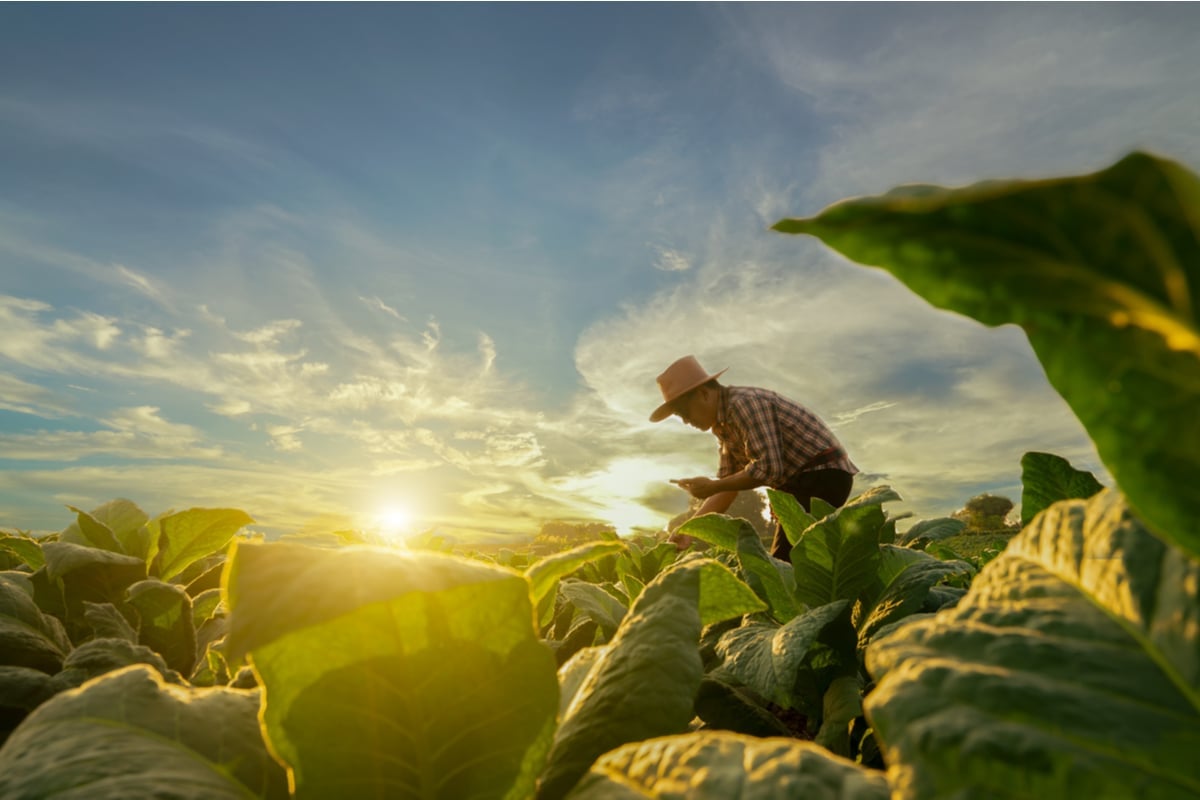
x=179 y=657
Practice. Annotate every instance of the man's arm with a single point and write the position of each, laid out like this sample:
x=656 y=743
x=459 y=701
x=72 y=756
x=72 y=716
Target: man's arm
x=706 y=488
x=716 y=504
x=718 y=495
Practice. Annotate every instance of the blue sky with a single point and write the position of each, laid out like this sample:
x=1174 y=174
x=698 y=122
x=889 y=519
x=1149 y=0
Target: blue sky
x=323 y=261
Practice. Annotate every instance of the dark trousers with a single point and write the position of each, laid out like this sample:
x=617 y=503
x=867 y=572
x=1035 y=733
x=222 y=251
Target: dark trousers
x=831 y=485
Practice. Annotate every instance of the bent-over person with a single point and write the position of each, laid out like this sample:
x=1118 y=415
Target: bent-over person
x=765 y=440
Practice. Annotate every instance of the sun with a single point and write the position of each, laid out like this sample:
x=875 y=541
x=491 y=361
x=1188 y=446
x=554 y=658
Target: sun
x=394 y=521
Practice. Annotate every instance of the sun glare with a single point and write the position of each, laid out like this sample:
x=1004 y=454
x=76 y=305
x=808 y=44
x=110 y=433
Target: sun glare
x=394 y=522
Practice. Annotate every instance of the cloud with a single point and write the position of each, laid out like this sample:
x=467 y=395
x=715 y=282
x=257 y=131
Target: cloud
x=671 y=260
x=135 y=433
x=379 y=305
x=29 y=398
x=959 y=94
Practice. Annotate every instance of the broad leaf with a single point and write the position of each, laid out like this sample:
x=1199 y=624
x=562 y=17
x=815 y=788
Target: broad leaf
x=1046 y=479
x=91 y=532
x=108 y=622
x=21 y=690
x=761 y=570
x=545 y=574
x=571 y=675
x=791 y=515
x=716 y=529
x=836 y=558
x=725 y=707
x=768 y=658
x=714 y=765
x=188 y=536
x=642 y=685
x=88 y=574
x=595 y=604
x=906 y=578
x=205 y=604
x=166 y=626
x=128 y=734
x=28 y=638
x=390 y=673
x=100 y=656
x=28 y=550
x=932 y=530
x=1102 y=272
x=722 y=594
x=842 y=705
x=1070 y=670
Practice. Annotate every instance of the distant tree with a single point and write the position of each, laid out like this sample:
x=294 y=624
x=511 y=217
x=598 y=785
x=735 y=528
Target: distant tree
x=558 y=534
x=985 y=512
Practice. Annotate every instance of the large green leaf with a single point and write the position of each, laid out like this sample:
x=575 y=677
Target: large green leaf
x=188 y=536
x=596 y=604
x=28 y=638
x=397 y=674
x=108 y=622
x=22 y=690
x=931 y=530
x=88 y=574
x=1102 y=272
x=27 y=549
x=842 y=705
x=91 y=532
x=791 y=515
x=642 y=685
x=714 y=765
x=836 y=558
x=99 y=656
x=546 y=572
x=722 y=594
x=761 y=570
x=127 y=734
x=768 y=658
x=723 y=706
x=1071 y=669
x=1047 y=478
x=165 y=613
x=116 y=526
x=905 y=578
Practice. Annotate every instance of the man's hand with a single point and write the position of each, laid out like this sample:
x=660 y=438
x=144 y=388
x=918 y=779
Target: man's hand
x=700 y=488
x=681 y=540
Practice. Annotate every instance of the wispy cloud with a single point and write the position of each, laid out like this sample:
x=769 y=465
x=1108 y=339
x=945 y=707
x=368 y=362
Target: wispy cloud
x=139 y=433
x=672 y=260
x=376 y=303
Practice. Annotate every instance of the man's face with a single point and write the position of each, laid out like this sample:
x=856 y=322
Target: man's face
x=697 y=408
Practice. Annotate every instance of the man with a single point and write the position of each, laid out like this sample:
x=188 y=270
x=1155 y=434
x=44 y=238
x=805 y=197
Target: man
x=765 y=439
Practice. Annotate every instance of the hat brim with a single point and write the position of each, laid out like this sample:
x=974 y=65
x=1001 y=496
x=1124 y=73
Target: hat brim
x=667 y=408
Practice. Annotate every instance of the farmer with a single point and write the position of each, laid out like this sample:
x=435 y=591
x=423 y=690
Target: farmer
x=765 y=439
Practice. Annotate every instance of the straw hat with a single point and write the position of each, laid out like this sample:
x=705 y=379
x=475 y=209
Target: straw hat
x=679 y=379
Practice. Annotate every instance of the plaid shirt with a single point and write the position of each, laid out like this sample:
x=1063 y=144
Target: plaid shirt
x=771 y=435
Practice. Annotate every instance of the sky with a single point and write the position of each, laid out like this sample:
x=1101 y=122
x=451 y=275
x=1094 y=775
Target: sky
x=415 y=267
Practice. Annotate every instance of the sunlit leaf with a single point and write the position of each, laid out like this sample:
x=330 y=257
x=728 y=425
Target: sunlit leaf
x=1069 y=670
x=393 y=673
x=188 y=536
x=1047 y=478
x=128 y=734
x=715 y=765
x=1103 y=274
